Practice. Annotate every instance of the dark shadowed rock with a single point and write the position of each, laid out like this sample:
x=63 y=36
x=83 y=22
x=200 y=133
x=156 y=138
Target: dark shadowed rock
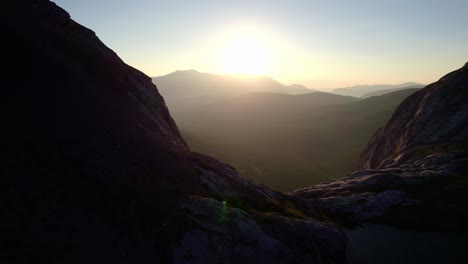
x=414 y=170
x=95 y=169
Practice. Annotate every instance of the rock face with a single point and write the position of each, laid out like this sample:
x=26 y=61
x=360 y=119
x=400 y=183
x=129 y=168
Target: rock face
x=438 y=115
x=96 y=169
x=414 y=170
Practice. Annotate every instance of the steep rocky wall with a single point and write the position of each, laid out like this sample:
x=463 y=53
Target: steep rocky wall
x=438 y=114
x=413 y=172
x=96 y=169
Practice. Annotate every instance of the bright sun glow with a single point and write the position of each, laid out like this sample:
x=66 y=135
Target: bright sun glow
x=246 y=54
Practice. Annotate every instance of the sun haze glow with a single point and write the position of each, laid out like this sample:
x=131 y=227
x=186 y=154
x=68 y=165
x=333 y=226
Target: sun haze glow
x=246 y=54
x=320 y=44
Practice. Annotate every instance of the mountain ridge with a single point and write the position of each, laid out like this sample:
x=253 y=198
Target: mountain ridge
x=192 y=88
x=385 y=91
x=361 y=90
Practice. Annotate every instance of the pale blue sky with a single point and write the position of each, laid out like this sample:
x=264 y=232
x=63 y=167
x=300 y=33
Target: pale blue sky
x=320 y=44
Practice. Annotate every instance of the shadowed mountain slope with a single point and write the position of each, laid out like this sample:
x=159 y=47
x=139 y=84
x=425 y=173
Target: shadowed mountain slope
x=288 y=141
x=96 y=169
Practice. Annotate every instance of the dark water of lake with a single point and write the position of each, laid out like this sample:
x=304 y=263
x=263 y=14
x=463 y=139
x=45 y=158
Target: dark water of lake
x=383 y=244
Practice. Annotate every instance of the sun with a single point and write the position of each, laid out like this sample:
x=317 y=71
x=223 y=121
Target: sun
x=247 y=55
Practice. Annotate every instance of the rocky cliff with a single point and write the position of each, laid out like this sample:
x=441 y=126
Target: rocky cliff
x=438 y=115
x=96 y=170
x=414 y=170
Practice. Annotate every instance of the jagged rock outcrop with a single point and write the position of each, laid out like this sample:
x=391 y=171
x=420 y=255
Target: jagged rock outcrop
x=414 y=170
x=96 y=169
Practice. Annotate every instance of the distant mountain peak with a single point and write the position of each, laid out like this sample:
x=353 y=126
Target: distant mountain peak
x=191 y=87
x=185 y=71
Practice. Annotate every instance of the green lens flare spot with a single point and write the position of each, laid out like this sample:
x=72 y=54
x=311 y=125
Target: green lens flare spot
x=224 y=203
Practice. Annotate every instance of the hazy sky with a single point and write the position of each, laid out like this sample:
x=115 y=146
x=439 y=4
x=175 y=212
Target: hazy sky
x=320 y=44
